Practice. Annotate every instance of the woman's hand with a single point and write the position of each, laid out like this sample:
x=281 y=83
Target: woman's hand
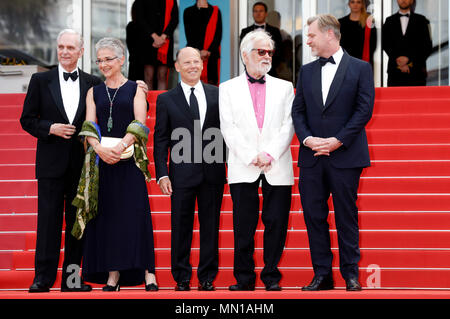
x=109 y=155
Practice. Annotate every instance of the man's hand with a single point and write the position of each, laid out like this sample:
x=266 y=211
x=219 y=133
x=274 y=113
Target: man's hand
x=263 y=162
x=166 y=186
x=62 y=130
x=204 y=54
x=402 y=61
x=323 y=146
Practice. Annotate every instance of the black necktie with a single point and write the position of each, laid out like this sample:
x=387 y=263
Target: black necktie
x=73 y=75
x=253 y=80
x=404 y=15
x=324 y=61
x=193 y=106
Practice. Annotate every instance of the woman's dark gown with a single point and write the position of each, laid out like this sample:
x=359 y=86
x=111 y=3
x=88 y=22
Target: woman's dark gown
x=121 y=236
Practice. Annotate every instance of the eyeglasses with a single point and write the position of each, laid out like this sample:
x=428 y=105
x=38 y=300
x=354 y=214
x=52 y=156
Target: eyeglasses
x=262 y=52
x=106 y=60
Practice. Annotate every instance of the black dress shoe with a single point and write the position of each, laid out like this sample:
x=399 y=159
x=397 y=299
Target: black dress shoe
x=206 y=286
x=37 y=287
x=242 y=287
x=320 y=283
x=352 y=284
x=182 y=286
x=82 y=288
x=151 y=287
x=273 y=287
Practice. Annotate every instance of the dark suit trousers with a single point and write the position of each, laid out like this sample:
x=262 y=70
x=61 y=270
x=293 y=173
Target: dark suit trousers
x=209 y=201
x=315 y=184
x=275 y=217
x=55 y=196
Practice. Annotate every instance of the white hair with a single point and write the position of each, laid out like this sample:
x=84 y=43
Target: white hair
x=247 y=43
x=71 y=31
x=113 y=44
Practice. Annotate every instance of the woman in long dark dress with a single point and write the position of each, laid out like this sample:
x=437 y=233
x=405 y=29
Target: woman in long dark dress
x=119 y=247
x=203 y=28
x=358 y=33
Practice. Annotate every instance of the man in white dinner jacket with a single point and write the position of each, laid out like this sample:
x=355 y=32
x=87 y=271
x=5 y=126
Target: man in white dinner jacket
x=256 y=123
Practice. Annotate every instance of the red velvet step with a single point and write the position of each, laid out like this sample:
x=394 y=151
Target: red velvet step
x=292 y=278
x=12 y=99
x=418 y=92
x=366 y=185
x=411 y=120
x=294 y=258
x=365 y=202
x=295 y=239
x=411 y=106
x=373 y=220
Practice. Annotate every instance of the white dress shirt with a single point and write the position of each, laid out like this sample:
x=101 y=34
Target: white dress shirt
x=404 y=21
x=328 y=73
x=70 y=92
x=199 y=94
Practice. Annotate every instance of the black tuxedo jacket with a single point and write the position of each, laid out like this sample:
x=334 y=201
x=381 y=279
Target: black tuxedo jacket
x=415 y=44
x=42 y=107
x=343 y=115
x=172 y=112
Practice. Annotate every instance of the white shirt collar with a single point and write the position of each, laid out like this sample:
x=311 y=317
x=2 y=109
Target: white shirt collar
x=61 y=69
x=338 y=56
x=187 y=87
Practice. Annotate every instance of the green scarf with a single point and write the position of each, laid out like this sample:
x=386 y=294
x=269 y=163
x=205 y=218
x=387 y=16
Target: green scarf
x=86 y=199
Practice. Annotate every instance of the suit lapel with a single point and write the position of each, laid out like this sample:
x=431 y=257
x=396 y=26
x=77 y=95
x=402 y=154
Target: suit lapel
x=317 y=84
x=55 y=90
x=208 y=106
x=182 y=104
x=337 y=81
x=84 y=87
x=270 y=104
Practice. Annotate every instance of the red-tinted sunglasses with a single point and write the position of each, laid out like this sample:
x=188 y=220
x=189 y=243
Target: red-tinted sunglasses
x=263 y=52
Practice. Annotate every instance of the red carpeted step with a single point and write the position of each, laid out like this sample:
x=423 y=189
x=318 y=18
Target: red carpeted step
x=418 y=92
x=411 y=120
x=11 y=126
x=367 y=185
x=18 y=140
x=12 y=99
x=409 y=152
x=408 y=136
x=292 y=278
x=10 y=112
x=17 y=171
x=398 y=220
x=408 y=106
x=293 y=258
x=295 y=239
x=366 y=202
x=17 y=155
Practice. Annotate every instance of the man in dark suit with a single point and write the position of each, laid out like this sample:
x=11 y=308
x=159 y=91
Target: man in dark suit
x=259 y=16
x=333 y=103
x=53 y=112
x=407 y=42
x=187 y=117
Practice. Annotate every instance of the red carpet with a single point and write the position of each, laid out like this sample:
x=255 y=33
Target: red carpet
x=404 y=202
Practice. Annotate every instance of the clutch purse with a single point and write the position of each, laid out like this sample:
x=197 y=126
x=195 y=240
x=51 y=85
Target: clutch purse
x=113 y=141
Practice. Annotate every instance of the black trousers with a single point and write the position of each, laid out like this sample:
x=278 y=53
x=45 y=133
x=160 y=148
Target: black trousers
x=275 y=217
x=55 y=197
x=316 y=184
x=209 y=201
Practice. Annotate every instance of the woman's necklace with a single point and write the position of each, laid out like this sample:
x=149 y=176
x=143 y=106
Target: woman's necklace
x=109 y=125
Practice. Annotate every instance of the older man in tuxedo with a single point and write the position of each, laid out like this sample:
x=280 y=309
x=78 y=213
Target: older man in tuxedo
x=185 y=117
x=255 y=119
x=333 y=103
x=53 y=112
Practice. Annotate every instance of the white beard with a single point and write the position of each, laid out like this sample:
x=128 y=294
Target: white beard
x=264 y=68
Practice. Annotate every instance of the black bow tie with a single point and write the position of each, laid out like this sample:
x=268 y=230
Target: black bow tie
x=324 y=61
x=259 y=27
x=404 y=15
x=73 y=75
x=253 y=80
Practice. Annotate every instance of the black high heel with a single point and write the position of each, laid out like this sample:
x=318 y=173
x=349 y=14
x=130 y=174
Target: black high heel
x=111 y=288
x=151 y=287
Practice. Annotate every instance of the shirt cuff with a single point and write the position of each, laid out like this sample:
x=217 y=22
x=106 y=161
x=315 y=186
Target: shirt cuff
x=161 y=179
x=304 y=141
